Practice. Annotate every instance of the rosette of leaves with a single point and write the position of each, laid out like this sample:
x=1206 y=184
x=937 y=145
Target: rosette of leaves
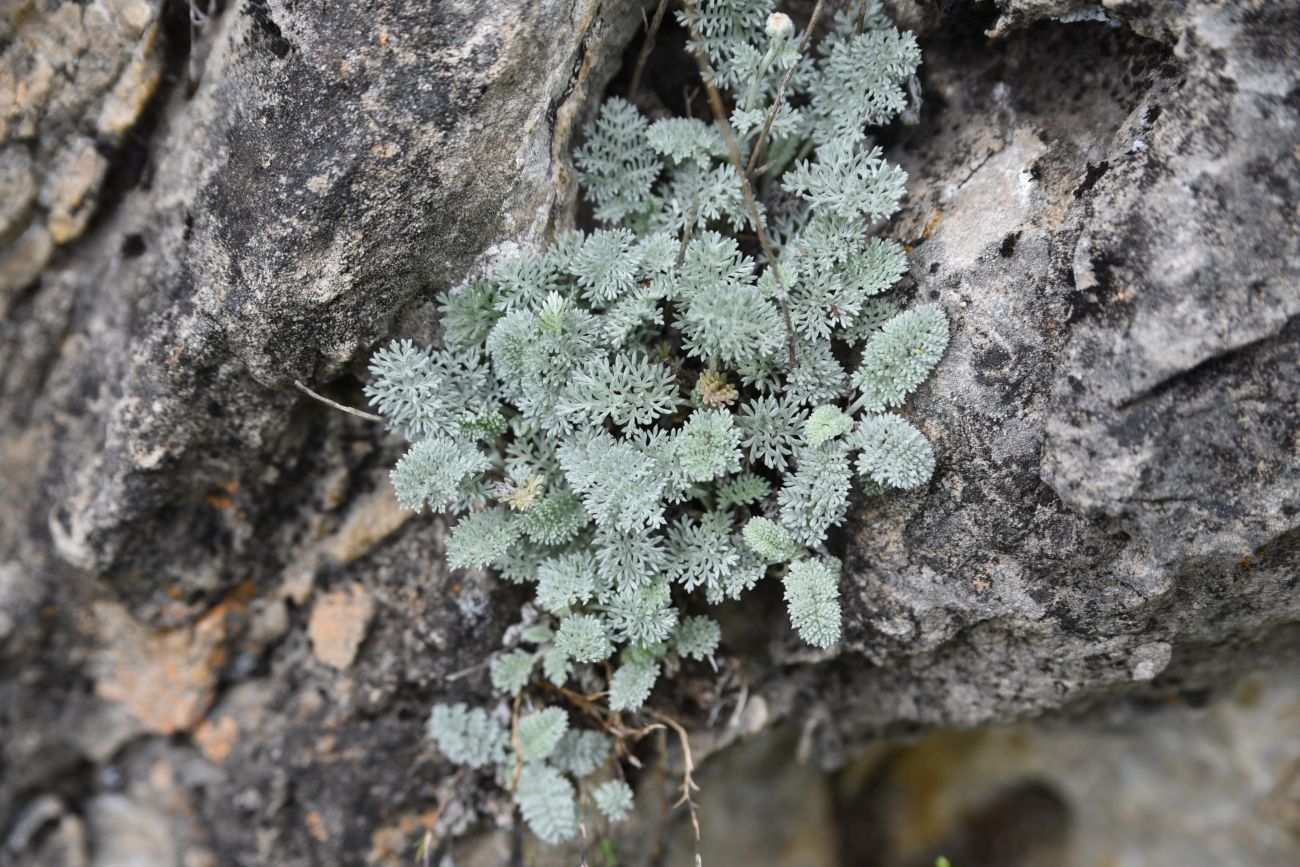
x=652 y=416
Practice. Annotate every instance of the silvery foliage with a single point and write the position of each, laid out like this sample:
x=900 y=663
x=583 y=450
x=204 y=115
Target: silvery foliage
x=618 y=421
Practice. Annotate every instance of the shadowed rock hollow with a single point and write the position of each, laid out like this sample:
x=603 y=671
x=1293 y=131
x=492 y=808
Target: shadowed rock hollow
x=219 y=637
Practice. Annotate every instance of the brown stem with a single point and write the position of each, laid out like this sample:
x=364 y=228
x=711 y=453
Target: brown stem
x=646 y=46
x=609 y=722
x=585 y=704
x=688 y=782
x=780 y=91
x=724 y=126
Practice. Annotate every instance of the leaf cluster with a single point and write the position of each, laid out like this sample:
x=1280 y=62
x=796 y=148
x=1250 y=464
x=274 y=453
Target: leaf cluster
x=619 y=420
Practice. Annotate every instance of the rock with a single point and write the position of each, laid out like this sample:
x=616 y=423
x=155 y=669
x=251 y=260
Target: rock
x=338 y=625
x=326 y=173
x=1029 y=794
x=166 y=679
x=46 y=832
x=64 y=71
x=215 y=739
x=67 y=196
x=20 y=598
x=1173 y=410
x=1105 y=208
x=774 y=810
x=22 y=260
x=289 y=196
x=18 y=180
x=128 y=834
x=1114 y=415
x=1136 y=785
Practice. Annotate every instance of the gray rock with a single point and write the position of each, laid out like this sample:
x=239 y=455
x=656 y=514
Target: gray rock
x=1138 y=786
x=1115 y=242
x=327 y=171
x=75 y=79
x=287 y=206
x=46 y=832
x=127 y=834
x=1105 y=208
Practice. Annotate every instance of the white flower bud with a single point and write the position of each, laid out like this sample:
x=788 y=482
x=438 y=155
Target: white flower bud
x=779 y=25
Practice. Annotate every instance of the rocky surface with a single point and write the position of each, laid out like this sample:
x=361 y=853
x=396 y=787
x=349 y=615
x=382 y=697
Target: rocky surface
x=1164 y=784
x=74 y=82
x=1107 y=219
x=218 y=635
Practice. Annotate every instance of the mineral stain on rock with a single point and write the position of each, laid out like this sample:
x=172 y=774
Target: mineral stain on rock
x=338 y=625
x=166 y=679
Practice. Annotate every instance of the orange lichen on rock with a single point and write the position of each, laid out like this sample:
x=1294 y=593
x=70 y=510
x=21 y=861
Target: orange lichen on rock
x=338 y=625
x=225 y=499
x=316 y=826
x=166 y=679
x=216 y=738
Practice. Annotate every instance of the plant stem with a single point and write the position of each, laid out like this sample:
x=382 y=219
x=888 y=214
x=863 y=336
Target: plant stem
x=780 y=91
x=646 y=47
x=724 y=126
x=688 y=781
x=368 y=416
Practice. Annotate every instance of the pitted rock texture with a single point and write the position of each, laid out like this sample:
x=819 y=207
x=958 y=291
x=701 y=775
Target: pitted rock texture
x=74 y=81
x=218 y=631
x=325 y=172
x=1173 y=408
x=1104 y=218
x=176 y=514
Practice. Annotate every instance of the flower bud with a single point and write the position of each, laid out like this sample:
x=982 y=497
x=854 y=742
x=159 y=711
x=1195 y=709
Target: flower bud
x=779 y=25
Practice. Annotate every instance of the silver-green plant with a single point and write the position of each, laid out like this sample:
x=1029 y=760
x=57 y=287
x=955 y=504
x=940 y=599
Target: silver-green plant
x=660 y=414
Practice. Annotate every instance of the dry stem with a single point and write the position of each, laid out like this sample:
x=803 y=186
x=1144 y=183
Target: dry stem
x=688 y=781
x=425 y=850
x=369 y=416
x=582 y=826
x=514 y=741
x=780 y=91
x=609 y=722
x=651 y=32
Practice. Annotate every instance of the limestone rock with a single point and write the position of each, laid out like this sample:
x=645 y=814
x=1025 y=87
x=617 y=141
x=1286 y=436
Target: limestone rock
x=66 y=69
x=1103 y=218
x=1102 y=196
x=338 y=625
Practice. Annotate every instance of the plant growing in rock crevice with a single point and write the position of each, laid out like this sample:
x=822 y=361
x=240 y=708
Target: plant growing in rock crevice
x=662 y=413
